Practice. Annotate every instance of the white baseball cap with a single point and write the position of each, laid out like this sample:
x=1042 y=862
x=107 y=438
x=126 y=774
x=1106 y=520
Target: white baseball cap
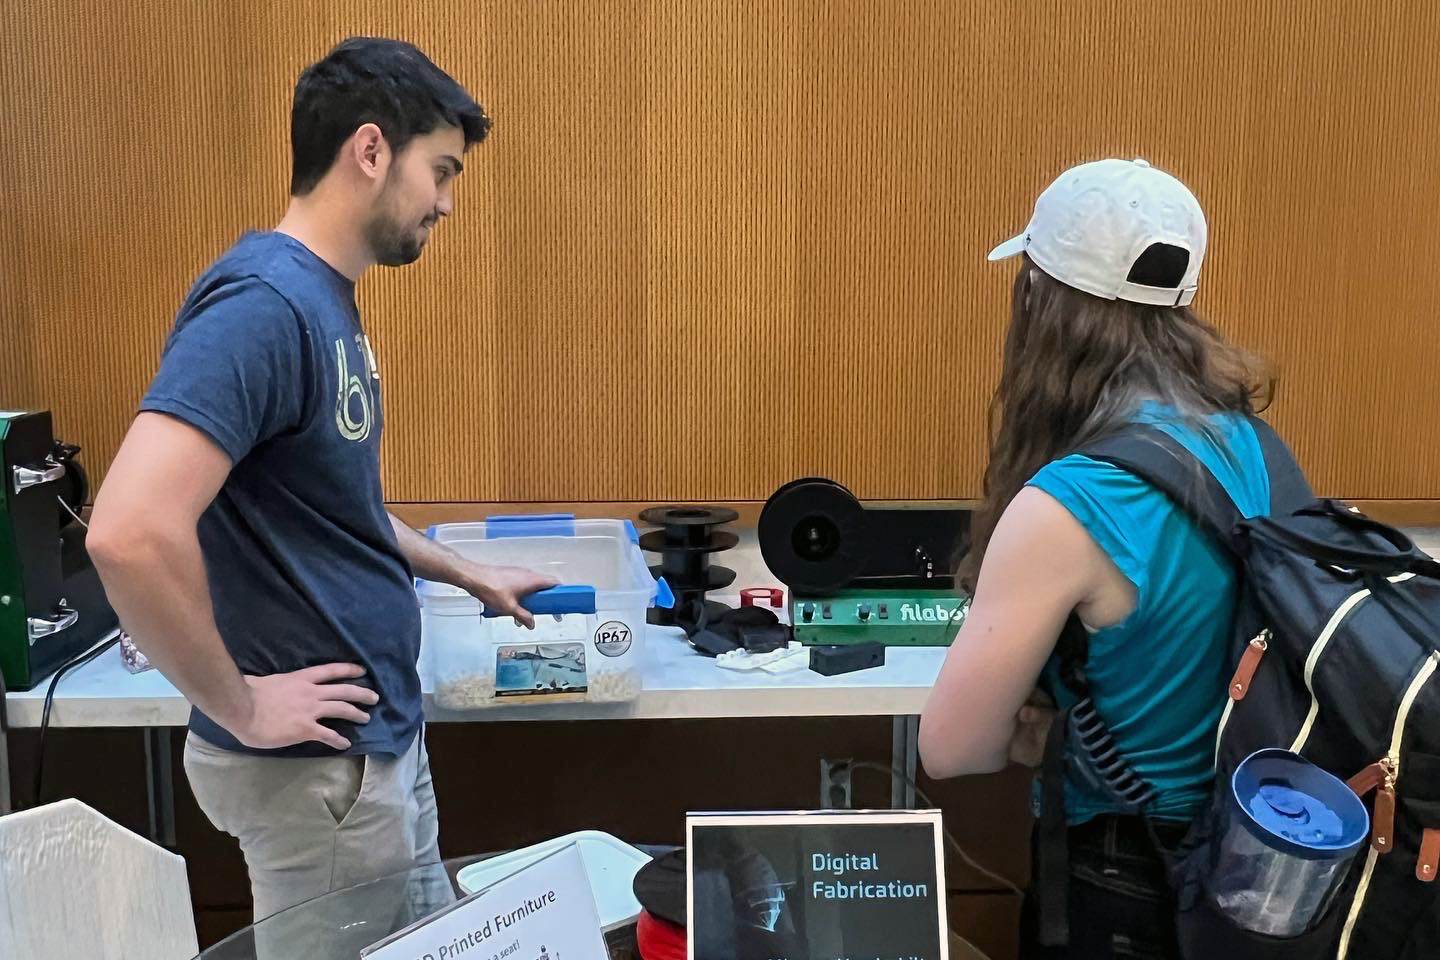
x=1096 y=220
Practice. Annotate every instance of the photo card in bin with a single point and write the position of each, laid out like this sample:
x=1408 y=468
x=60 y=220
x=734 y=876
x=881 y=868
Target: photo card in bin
x=541 y=670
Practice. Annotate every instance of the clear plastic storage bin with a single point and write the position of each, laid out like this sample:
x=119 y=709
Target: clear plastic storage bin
x=589 y=640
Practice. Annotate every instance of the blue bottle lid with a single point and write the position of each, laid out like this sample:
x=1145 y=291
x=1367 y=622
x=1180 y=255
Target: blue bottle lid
x=1291 y=805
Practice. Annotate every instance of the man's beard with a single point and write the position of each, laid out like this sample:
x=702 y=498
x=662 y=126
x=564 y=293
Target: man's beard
x=392 y=243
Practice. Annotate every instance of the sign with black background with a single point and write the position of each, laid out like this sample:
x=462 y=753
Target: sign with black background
x=822 y=886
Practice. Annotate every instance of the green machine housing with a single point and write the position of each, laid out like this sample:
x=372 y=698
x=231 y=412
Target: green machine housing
x=896 y=617
x=856 y=573
x=52 y=606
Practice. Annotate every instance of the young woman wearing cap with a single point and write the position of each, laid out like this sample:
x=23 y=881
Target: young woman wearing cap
x=1101 y=335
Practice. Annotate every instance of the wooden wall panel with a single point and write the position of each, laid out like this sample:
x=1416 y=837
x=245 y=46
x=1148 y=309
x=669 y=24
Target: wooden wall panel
x=715 y=245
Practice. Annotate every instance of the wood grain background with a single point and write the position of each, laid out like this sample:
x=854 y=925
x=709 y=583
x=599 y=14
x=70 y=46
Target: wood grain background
x=715 y=245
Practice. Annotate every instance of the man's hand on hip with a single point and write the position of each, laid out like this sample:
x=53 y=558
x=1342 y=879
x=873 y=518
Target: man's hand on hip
x=286 y=708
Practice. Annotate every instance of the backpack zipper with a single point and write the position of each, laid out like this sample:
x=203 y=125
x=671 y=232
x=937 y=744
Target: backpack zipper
x=1321 y=643
x=1382 y=823
x=1240 y=682
x=1313 y=660
x=1369 y=778
x=1429 y=855
x=1383 y=820
x=1249 y=663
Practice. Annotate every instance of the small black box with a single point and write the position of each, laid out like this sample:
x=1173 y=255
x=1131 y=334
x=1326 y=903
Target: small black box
x=833 y=661
x=764 y=639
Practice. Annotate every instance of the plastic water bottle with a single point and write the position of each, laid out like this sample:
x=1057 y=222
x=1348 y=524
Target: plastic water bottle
x=1286 y=833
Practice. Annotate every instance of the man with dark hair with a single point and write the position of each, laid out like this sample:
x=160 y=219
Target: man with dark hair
x=242 y=533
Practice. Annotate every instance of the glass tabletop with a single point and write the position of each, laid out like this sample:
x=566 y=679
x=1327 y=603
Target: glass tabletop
x=338 y=925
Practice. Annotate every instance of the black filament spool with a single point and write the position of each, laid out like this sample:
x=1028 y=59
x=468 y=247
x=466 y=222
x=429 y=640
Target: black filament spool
x=813 y=536
x=687 y=537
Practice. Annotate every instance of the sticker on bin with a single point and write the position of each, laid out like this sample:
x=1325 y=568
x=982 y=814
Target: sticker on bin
x=540 y=670
x=613 y=639
x=589 y=636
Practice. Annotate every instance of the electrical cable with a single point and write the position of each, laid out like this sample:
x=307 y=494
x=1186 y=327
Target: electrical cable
x=79 y=660
x=897 y=774
x=67 y=508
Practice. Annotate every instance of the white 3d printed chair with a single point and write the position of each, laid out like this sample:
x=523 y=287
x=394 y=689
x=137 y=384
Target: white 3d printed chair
x=75 y=884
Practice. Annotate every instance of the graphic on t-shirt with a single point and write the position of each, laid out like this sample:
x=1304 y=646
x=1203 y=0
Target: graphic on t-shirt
x=351 y=387
x=369 y=352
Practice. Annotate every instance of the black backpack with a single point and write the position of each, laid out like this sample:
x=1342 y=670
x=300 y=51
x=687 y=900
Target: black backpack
x=1335 y=650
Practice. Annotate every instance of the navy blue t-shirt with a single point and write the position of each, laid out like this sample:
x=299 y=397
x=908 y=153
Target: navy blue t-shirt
x=269 y=360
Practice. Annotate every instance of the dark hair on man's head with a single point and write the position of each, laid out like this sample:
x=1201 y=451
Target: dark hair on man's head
x=389 y=83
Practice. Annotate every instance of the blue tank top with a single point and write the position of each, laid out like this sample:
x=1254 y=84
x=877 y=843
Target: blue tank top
x=1159 y=678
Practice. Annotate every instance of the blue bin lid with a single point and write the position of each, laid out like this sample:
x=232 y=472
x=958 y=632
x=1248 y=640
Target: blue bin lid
x=1293 y=806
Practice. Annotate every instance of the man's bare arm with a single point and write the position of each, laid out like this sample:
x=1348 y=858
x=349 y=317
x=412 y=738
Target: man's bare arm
x=144 y=543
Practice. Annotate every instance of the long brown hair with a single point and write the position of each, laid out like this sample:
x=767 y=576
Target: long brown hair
x=1077 y=367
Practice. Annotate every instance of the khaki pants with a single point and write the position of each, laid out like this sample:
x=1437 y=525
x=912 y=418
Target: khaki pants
x=311 y=826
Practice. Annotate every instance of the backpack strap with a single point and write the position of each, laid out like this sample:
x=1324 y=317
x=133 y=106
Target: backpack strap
x=1052 y=847
x=1164 y=463
x=1289 y=490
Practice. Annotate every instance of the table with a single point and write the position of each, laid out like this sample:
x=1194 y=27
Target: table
x=337 y=926
x=679 y=684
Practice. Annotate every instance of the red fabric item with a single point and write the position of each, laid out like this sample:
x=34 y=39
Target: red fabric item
x=659 y=939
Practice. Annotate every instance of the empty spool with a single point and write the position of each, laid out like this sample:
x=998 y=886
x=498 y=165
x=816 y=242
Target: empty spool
x=688 y=535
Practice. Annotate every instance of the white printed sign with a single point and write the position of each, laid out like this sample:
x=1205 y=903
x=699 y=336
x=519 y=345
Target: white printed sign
x=545 y=911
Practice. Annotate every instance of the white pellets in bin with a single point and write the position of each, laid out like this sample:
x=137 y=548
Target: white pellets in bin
x=589 y=640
